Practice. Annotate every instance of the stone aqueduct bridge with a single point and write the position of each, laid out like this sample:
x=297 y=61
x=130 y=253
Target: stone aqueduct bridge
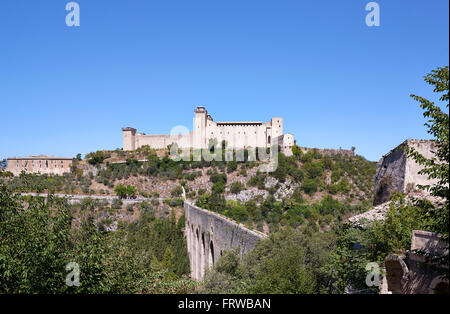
x=210 y=234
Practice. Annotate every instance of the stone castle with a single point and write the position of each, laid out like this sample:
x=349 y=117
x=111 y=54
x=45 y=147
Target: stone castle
x=236 y=134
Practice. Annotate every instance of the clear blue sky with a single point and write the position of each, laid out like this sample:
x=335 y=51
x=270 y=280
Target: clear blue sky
x=148 y=64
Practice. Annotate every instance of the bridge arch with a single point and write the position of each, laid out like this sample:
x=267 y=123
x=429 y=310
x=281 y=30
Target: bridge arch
x=211 y=254
x=202 y=256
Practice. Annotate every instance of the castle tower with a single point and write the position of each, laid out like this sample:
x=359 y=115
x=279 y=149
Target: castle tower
x=276 y=130
x=129 y=138
x=199 y=131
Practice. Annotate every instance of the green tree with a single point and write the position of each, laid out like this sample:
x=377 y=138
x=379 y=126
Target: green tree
x=131 y=191
x=121 y=191
x=438 y=166
x=288 y=261
x=97 y=158
x=310 y=186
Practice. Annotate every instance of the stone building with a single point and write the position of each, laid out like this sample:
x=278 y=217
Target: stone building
x=395 y=172
x=236 y=134
x=40 y=164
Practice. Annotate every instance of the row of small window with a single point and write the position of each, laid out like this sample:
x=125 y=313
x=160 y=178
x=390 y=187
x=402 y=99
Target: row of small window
x=55 y=163
x=212 y=133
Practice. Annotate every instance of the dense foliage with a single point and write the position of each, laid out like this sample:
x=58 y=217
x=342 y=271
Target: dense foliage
x=438 y=166
x=289 y=261
x=38 y=239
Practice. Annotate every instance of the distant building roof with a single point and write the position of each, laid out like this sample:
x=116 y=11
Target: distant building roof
x=239 y=123
x=40 y=157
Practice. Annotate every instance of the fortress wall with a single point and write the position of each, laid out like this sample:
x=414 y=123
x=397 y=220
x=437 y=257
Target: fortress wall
x=330 y=151
x=210 y=234
x=240 y=135
x=162 y=141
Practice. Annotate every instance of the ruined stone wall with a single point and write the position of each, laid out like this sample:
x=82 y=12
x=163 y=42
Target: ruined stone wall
x=389 y=175
x=395 y=172
x=412 y=176
x=330 y=152
x=412 y=273
x=210 y=234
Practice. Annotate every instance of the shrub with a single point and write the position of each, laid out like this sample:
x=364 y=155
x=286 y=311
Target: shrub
x=125 y=191
x=218 y=187
x=231 y=166
x=218 y=177
x=236 y=187
x=174 y=202
x=116 y=203
x=336 y=175
x=96 y=158
x=310 y=186
x=130 y=208
x=313 y=169
x=258 y=180
x=177 y=191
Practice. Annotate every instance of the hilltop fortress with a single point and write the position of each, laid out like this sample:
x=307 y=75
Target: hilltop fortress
x=235 y=134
